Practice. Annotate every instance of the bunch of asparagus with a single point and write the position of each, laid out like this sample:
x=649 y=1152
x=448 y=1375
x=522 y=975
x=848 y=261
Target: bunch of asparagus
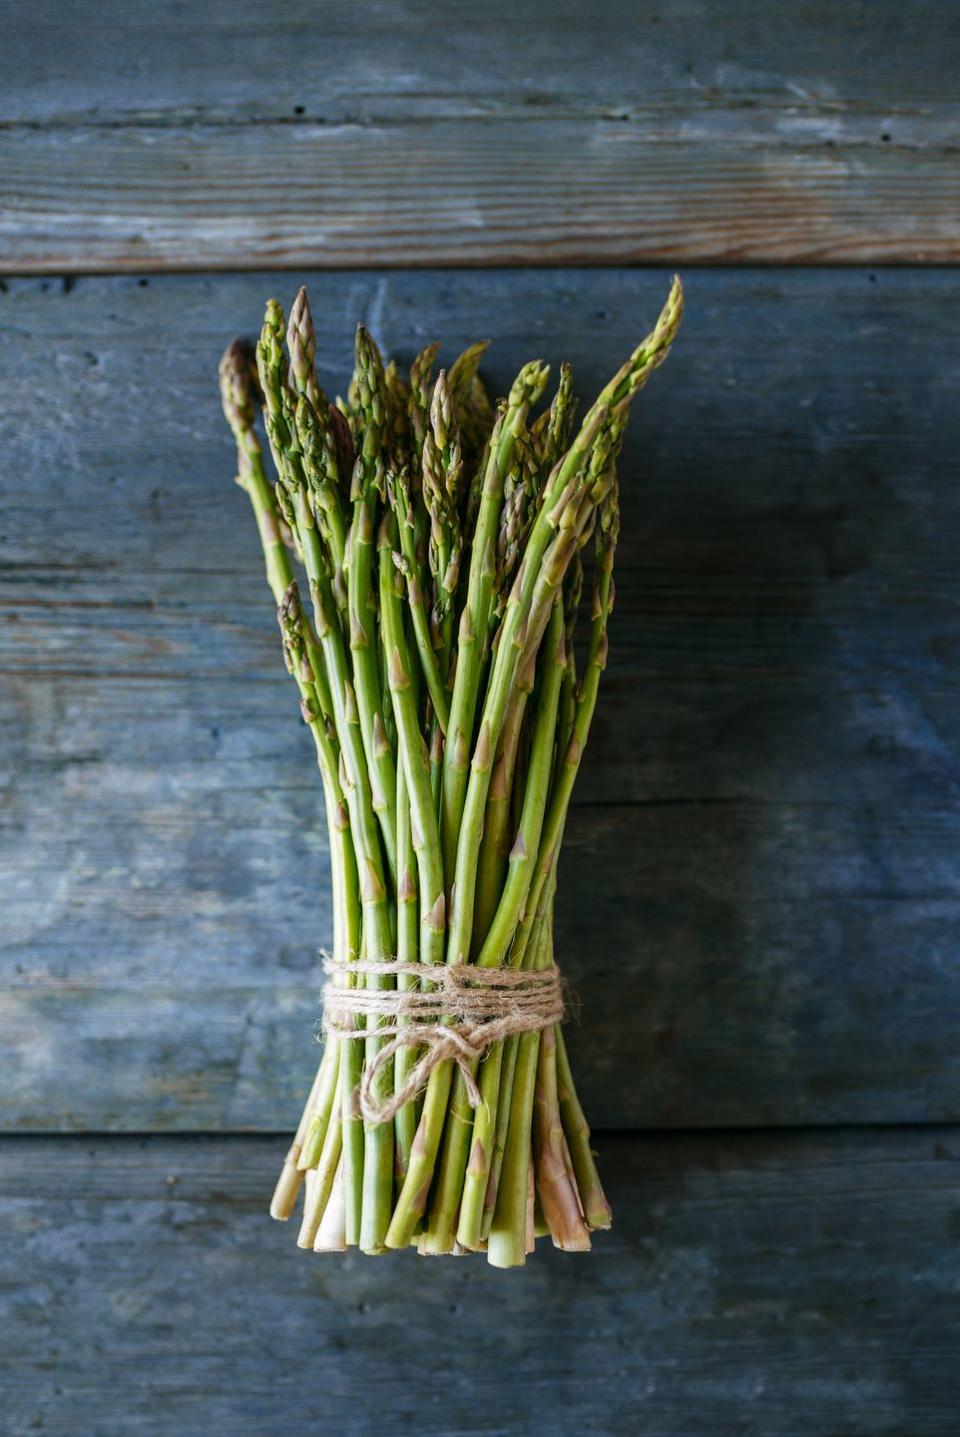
x=449 y=691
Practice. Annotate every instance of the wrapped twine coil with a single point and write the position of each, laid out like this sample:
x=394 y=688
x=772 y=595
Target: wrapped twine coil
x=466 y=1010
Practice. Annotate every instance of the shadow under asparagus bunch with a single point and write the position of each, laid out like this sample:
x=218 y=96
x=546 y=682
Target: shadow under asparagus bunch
x=442 y=540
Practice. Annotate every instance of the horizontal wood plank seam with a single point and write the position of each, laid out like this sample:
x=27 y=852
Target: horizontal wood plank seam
x=735 y=1132
x=624 y=117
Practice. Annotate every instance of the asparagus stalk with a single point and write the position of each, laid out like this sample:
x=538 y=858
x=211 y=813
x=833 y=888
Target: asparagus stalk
x=367 y=479
x=408 y=562
x=368 y=1185
x=442 y=478
x=405 y=1122
x=527 y=388
x=507 y=1238
x=415 y=760
x=236 y=387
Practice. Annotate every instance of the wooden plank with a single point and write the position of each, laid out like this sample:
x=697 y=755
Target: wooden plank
x=461 y=192
x=152 y=135
x=233 y=60
x=783 y=964
x=767 y=842
x=802 y=419
x=768 y=1285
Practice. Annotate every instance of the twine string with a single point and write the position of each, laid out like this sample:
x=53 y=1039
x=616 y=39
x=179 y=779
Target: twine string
x=465 y=1011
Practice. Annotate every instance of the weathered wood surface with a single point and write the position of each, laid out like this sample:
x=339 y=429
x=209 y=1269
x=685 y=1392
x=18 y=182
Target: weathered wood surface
x=765 y=858
x=770 y=1285
x=236 y=135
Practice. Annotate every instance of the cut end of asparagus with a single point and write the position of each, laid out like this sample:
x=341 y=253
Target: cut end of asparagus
x=286 y=1192
x=504 y=1252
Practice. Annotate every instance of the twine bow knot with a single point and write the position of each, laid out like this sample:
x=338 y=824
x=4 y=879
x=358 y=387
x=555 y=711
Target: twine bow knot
x=462 y=1013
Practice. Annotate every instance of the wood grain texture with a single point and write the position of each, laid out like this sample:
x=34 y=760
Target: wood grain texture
x=768 y=1285
x=766 y=850
x=160 y=136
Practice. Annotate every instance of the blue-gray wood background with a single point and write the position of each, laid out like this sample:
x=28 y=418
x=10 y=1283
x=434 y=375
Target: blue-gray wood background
x=759 y=902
